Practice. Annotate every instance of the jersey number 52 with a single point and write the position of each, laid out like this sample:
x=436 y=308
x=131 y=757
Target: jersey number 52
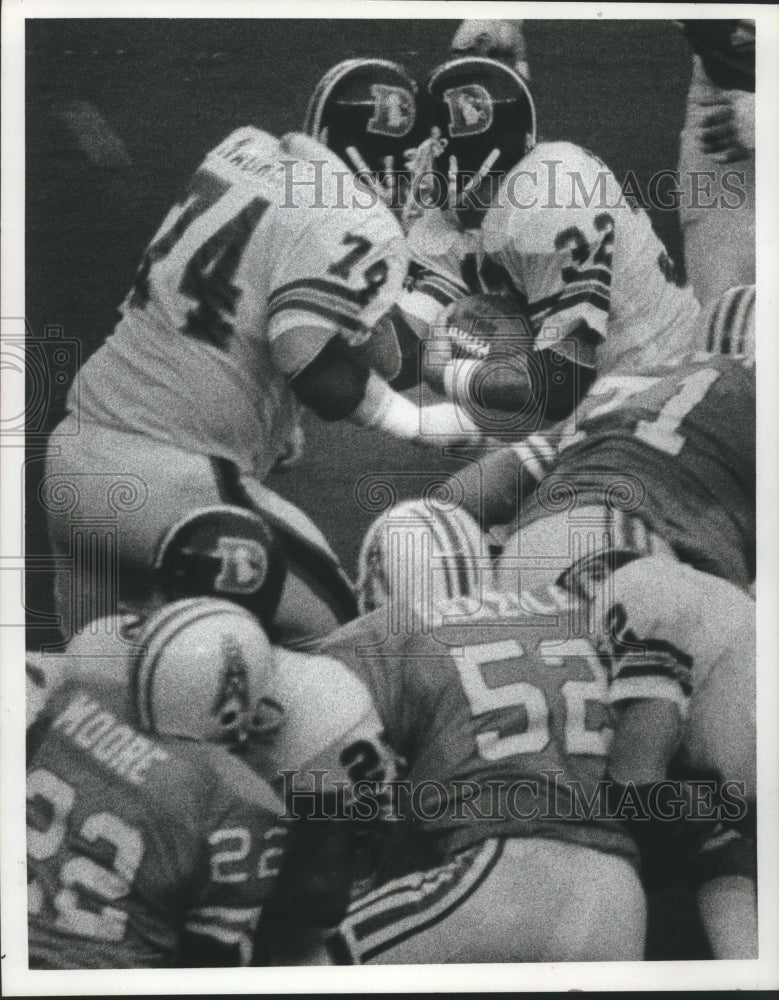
x=579 y=739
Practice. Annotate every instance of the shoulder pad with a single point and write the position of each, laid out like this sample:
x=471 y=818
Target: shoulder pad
x=557 y=185
x=238 y=778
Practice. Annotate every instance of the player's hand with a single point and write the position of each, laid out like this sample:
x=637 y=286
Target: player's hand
x=718 y=132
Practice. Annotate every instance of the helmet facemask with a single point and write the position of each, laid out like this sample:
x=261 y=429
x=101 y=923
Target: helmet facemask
x=365 y=111
x=485 y=117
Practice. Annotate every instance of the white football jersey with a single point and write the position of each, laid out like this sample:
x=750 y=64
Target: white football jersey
x=437 y=269
x=561 y=237
x=272 y=250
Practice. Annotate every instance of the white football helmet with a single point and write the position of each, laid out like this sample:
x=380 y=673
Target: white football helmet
x=204 y=670
x=503 y=40
x=416 y=555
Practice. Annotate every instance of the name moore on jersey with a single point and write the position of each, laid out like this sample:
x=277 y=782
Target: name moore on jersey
x=149 y=843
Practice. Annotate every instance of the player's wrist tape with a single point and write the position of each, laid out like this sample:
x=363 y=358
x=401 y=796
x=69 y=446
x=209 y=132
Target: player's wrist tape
x=397 y=416
x=649 y=676
x=386 y=410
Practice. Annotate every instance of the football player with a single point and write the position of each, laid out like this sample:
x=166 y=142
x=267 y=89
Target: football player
x=518 y=753
x=250 y=301
x=418 y=554
x=501 y=724
x=150 y=843
x=548 y=225
x=710 y=625
x=717 y=144
x=505 y=721
x=663 y=458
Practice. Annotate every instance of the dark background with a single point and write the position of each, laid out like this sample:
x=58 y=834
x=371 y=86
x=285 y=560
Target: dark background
x=171 y=89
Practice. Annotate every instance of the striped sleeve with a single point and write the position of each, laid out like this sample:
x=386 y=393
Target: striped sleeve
x=576 y=305
x=730 y=325
x=587 y=296
x=652 y=673
x=304 y=314
x=426 y=294
x=536 y=453
x=330 y=272
x=230 y=927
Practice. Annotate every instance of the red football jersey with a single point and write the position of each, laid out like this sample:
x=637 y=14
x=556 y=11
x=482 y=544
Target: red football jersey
x=503 y=720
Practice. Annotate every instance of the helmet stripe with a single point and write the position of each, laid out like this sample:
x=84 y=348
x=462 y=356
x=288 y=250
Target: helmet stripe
x=461 y=523
x=440 y=544
x=473 y=554
x=162 y=630
x=459 y=555
x=313 y=121
x=746 y=318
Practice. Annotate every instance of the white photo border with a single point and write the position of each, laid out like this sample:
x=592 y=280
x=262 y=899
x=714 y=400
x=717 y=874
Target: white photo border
x=17 y=979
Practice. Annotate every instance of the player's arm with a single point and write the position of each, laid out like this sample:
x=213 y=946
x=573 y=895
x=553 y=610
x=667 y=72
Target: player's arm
x=339 y=385
x=314 y=324
x=494 y=485
x=562 y=265
x=649 y=691
x=650 y=682
x=724 y=870
x=718 y=849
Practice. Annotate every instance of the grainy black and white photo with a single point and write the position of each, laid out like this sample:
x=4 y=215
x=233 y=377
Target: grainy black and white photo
x=390 y=562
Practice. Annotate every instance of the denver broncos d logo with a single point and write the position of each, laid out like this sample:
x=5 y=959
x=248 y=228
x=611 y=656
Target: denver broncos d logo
x=470 y=109
x=244 y=565
x=394 y=111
